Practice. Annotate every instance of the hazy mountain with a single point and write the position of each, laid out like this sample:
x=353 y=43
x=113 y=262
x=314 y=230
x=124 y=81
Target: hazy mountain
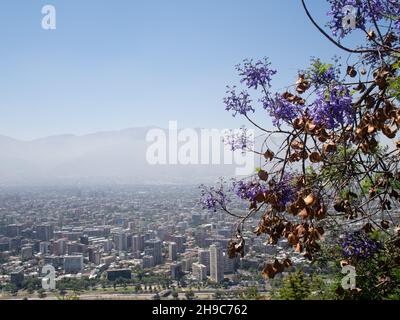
x=101 y=158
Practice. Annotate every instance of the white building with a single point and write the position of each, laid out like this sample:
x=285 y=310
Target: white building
x=216 y=263
x=204 y=259
x=199 y=271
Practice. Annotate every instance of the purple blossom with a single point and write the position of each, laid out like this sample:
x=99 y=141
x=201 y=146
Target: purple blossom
x=280 y=109
x=215 y=197
x=238 y=103
x=285 y=190
x=366 y=11
x=239 y=139
x=359 y=245
x=248 y=190
x=256 y=74
x=324 y=77
x=332 y=107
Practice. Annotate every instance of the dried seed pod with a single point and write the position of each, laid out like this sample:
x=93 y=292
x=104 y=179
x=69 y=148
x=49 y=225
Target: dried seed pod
x=304 y=214
x=385 y=224
x=371 y=35
x=287 y=263
x=315 y=157
x=321 y=213
x=310 y=127
x=292 y=239
x=329 y=147
x=344 y=263
x=268 y=271
x=310 y=200
x=368 y=228
x=351 y=71
x=388 y=132
x=263 y=175
x=298 y=123
x=268 y=155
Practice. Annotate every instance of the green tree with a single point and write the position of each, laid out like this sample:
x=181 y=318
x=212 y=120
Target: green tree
x=189 y=295
x=295 y=287
x=41 y=293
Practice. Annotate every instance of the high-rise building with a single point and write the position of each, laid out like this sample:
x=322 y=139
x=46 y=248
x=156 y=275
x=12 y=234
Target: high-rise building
x=204 y=259
x=216 y=263
x=138 y=243
x=172 y=251
x=176 y=271
x=73 y=264
x=148 y=262
x=13 y=230
x=60 y=247
x=44 y=232
x=26 y=253
x=120 y=241
x=229 y=264
x=17 y=277
x=155 y=245
x=180 y=242
x=44 y=247
x=199 y=271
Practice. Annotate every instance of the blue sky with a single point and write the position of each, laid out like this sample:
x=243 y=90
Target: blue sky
x=111 y=65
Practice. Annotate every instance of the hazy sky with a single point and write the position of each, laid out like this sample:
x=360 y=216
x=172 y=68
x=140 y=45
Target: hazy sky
x=118 y=64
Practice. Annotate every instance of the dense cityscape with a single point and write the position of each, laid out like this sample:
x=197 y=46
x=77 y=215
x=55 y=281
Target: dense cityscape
x=144 y=242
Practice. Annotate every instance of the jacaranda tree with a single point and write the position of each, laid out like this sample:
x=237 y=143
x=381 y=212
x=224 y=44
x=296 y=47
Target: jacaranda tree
x=337 y=165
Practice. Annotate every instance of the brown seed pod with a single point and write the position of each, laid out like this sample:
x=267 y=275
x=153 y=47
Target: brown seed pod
x=315 y=157
x=388 y=132
x=263 y=175
x=297 y=145
x=310 y=127
x=304 y=214
x=371 y=35
x=268 y=271
x=321 y=213
x=344 y=263
x=368 y=228
x=298 y=123
x=351 y=71
x=329 y=147
x=292 y=239
x=310 y=200
x=287 y=263
x=268 y=155
x=385 y=224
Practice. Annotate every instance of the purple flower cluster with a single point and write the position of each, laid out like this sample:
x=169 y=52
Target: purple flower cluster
x=238 y=103
x=323 y=78
x=285 y=190
x=248 y=190
x=333 y=106
x=256 y=74
x=215 y=197
x=280 y=109
x=359 y=245
x=366 y=11
x=239 y=139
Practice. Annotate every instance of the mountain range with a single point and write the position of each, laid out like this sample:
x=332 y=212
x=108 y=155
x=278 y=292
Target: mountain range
x=113 y=157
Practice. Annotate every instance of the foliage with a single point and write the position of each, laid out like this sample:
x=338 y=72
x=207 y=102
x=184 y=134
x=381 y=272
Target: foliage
x=338 y=163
